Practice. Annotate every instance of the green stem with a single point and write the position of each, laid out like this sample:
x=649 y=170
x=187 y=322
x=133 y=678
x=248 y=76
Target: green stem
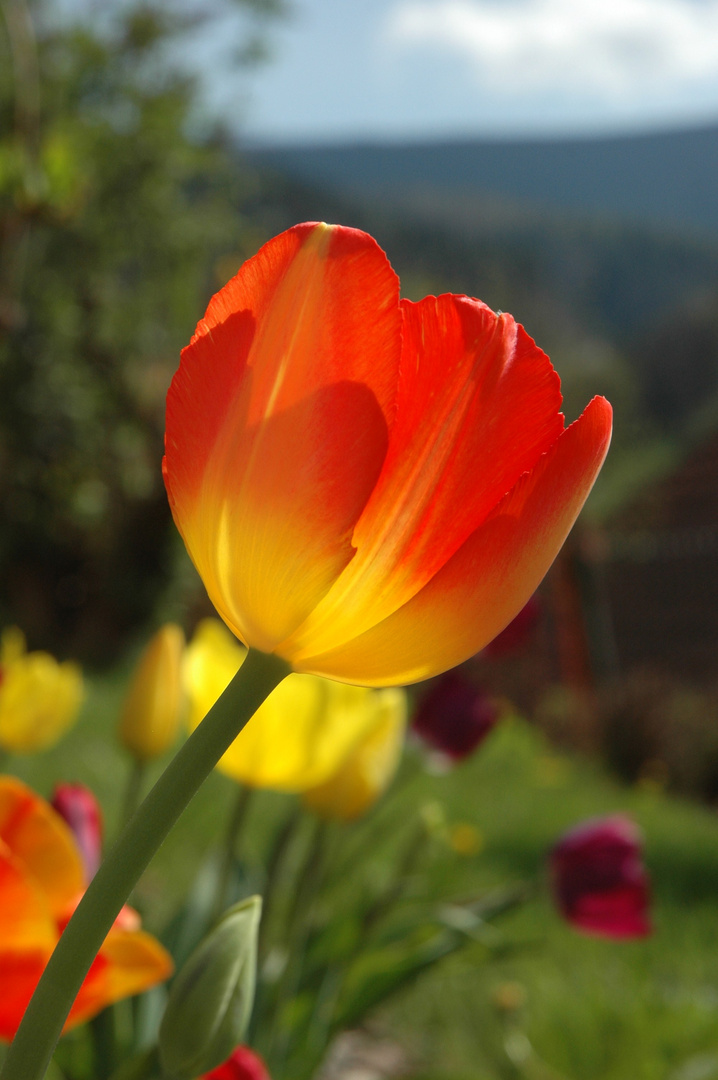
x=280 y=846
x=299 y=924
x=362 y=836
x=395 y=891
x=133 y=790
x=239 y=813
x=308 y=884
x=29 y=1054
x=104 y=1042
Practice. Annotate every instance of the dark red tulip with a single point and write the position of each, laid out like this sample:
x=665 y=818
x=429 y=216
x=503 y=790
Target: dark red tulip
x=518 y=633
x=243 y=1064
x=455 y=716
x=599 y=881
x=79 y=807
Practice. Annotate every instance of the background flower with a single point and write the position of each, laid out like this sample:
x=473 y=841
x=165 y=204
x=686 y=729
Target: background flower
x=455 y=716
x=39 y=697
x=369 y=767
x=152 y=709
x=77 y=805
x=305 y=730
x=42 y=878
x=243 y=1064
x=599 y=880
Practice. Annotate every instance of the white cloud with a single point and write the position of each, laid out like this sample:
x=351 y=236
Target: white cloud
x=612 y=47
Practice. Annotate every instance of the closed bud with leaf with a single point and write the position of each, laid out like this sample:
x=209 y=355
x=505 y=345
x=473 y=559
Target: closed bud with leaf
x=210 y=1001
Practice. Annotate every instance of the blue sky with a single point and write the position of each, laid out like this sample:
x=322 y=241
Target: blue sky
x=407 y=69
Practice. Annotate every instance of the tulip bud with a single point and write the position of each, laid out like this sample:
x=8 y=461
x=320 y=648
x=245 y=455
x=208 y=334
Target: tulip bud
x=242 y=1064
x=77 y=805
x=455 y=716
x=151 y=712
x=210 y=1001
x=599 y=881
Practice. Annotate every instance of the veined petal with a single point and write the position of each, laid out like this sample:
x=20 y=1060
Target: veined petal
x=478 y=404
x=277 y=424
x=129 y=962
x=43 y=842
x=483 y=586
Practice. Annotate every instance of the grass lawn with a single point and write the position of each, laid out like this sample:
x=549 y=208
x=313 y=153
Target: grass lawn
x=552 y=1004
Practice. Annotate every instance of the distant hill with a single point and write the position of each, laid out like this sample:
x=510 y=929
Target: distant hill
x=561 y=276
x=669 y=180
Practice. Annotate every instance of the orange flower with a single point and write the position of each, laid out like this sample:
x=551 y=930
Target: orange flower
x=41 y=880
x=369 y=488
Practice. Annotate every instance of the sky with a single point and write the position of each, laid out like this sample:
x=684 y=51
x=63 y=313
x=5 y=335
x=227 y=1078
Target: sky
x=429 y=69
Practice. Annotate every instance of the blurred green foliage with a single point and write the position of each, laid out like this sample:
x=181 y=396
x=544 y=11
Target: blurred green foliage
x=553 y=1004
x=119 y=215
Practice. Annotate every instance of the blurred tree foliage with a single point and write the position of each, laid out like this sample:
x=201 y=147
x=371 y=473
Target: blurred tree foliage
x=115 y=224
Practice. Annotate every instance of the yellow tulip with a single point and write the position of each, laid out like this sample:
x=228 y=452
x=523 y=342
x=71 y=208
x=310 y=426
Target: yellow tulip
x=153 y=706
x=302 y=733
x=370 y=767
x=39 y=697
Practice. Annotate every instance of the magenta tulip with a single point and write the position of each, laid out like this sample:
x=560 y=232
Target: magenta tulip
x=599 y=881
x=455 y=716
x=79 y=808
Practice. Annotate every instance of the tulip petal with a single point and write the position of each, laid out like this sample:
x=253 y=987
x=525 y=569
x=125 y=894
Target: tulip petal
x=39 y=700
x=477 y=593
x=19 y=975
x=242 y=1064
x=28 y=934
x=43 y=842
x=26 y=922
x=300 y=349
x=129 y=962
x=301 y=734
x=298 y=737
x=478 y=404
x=369 y=768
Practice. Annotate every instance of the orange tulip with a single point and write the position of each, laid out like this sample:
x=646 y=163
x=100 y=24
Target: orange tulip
x=42 y=878
x=369 y=488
